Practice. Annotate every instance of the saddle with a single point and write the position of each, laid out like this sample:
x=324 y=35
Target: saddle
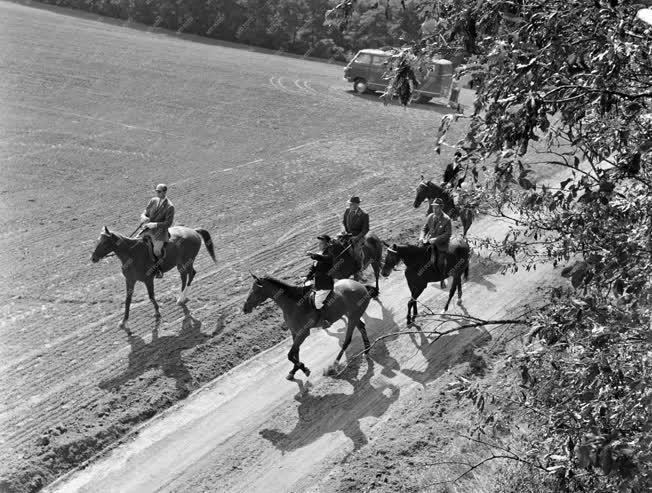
x=311 y=298
x=147 y=240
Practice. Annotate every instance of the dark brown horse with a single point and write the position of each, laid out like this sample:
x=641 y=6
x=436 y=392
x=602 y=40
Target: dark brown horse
x=431 y=191
x=349 y=298
x=137 y=263
x=419 y=269
x=345 y=265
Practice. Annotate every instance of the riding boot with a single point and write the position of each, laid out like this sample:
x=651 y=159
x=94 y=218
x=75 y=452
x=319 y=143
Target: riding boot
x=322 y=318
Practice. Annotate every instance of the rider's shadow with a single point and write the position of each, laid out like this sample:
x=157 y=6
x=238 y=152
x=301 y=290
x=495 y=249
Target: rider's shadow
x=163 y=352
x=380 y=352
x=323 y=414
x=481 y=267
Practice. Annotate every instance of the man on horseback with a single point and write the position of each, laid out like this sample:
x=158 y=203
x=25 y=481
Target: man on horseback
x=356 y=226
x=157 y=219
x=320 y=271
x=437 y=233
x=451 y=173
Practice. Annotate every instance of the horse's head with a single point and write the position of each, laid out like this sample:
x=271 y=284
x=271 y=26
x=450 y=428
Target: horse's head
x=391 y=260
x=422 y=193
x=258 y=293
x=105 y=245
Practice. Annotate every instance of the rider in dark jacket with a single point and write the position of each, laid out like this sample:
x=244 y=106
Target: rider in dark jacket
x=320 y=271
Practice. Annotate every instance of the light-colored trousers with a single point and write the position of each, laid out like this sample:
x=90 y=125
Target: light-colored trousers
x=320 y=297
x=156 y=243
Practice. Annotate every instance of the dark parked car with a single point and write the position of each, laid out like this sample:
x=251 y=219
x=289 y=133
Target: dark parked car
x=366 y=71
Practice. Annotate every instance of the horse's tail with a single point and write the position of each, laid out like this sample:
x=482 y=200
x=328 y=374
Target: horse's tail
x=206 y=236
x=373 y=292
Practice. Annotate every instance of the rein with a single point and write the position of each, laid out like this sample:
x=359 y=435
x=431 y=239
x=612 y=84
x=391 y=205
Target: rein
x=112 y=254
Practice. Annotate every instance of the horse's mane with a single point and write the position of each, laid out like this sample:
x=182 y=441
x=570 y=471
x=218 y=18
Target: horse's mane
x=293 y=290
x=412 y=249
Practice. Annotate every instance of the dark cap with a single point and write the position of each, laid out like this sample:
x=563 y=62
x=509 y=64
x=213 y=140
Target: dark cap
x=438 y=201
x=324 y=237
x=354 y=200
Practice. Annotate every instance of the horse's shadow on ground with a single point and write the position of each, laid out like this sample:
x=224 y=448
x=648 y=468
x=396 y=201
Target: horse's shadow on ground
x=480 y=268
x=163 y=352
x=319 y=415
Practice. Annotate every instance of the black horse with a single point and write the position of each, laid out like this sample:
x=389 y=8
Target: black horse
x=419 y=269
x=431 y=191
x=345 y=266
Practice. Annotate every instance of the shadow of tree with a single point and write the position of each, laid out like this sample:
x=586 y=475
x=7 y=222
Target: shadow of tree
x=163 y=352
x=444 y=352
x=323 y=414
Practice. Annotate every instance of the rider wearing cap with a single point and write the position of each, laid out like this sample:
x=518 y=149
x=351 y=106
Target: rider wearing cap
x=320 y=272
x=157 y=219
x=356 y=223
x=437 y=233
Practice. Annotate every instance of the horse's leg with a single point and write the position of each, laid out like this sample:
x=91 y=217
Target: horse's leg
x=182 y=295
x=467 y=220
x=376 y=266
x=150 y=292
x=130 y=291
x=293 y=354
x=347 y=339
x=416 y=292
x=456 y=282
x=363 y=332
x=459 y=289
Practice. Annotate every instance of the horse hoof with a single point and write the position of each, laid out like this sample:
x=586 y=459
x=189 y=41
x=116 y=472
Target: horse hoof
x=182 y=301
x=306 y=372
x=459 y=301
x=157 y=315
x=290 y=377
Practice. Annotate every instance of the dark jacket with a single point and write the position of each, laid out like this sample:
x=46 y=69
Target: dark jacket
x=356 y=223
x=438 y=229
x=320 y=270
x=160 y=212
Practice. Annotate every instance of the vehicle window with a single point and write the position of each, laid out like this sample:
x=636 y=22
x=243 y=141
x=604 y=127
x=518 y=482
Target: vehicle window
x=379 y=60
x=363 y=58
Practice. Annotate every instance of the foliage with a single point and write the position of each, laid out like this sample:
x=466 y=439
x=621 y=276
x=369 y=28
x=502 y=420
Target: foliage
x=293 y=26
